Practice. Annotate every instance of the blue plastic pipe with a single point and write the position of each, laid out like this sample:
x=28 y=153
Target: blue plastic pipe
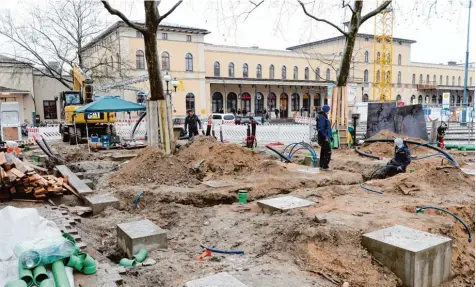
x=452 y=214
x=223 y=251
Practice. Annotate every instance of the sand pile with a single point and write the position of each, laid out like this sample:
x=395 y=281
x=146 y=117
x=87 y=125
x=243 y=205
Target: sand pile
x=387 y=150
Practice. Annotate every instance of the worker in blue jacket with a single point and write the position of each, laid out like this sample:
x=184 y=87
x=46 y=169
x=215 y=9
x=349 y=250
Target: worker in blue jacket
x=324 y=137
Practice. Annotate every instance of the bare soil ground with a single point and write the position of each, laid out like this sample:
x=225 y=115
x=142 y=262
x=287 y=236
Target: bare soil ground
x=281 y=249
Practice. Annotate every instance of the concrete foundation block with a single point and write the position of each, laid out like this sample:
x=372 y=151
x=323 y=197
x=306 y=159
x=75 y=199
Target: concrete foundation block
x=283 y=203
x=222 y=279
x=420 y=259
x=99 y=202
x=132 y=236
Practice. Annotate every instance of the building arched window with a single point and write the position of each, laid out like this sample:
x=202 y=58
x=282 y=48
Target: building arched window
x=216 y=69
x=295 y=102
x=453 y=81
x=165 y=61
x=306 y=74
x=441 y=80
x=378 y=56
x=271 y=72
x=459 y=81
x=259 y=72
x=366 y=76
x=413 y=79
x=412 y=98
x=231 y=70
x=318 y=74
x=217 y=102
x=366 y=57
x=452 y=100
x=188 y=62
x=434 y=79
x=433 y=99
x=421 y=79
x=399 y=59
x=283 y=73
x=399 y=98
x=231 y=102
x=140 y=60
x=427 y=99
x=377 y=76
x=399 y=79
x=447 y=81
x=389 y=77
x=440 y=99
x=420 y=99
x=245 y=70
x=295 y=73
x=365 y=98
x=328 y=74
x=427 y=79
x=190 y=102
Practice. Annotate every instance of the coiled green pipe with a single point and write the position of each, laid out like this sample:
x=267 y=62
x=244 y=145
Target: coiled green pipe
x=59 y=274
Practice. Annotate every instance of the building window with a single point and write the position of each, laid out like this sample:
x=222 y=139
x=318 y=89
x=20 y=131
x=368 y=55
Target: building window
x=140 y=60
x=165 y=36
x=421 y=79
x=188 y=62
x=295 y=73
x=420 y=99
x=441 y=80
x=259 y=103
x=453 y=81
x=189 y=38
x=245 y=70
x=283 y=73
x=378 y=76
x=366 y=76
x=295 y=102
x=306 y=74
x=470 y=81
x=216 y=69
x=399 y=59
x=413 y=79
x=447 y=80
x=165 y=61
x=412 y=98
x=231 y=102
x=231 y=70
x=259 y=72
x=434 y=79
x=433 y=99
x=427 y=79
x=459 y=81
x=365 y=98
x=328 y=74
x=139 y=34
x=399 y=98
x=389 y=77
x=399 y=80
x=366 y=57
x=190 y=102
x=378 y=56
x=318 y=74
x=49 y=110
x=271 y=72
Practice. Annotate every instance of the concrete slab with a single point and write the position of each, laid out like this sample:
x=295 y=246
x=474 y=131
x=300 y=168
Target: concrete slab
x=283 y=203
x=222 y=279
x=132 y=236
x=99 y=202
x=420 y=259
x=74 y=181
x=218 y=183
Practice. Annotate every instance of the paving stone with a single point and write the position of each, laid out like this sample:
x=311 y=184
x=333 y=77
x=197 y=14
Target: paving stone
x=99 y=202
x=420 y=259
x=132 y=236
x=218 y=183
x=222 y=279
x=283 y=203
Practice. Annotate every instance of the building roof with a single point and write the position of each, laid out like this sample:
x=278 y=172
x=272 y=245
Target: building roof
x=5 y=59
x=10 y=90
x=361 y=35
x=162 y=27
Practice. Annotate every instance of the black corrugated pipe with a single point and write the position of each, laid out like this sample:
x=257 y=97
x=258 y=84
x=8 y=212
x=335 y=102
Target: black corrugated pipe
x=137 y=124
x=357 y=149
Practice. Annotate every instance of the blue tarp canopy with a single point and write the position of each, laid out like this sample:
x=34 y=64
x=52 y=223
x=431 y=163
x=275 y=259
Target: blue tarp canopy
x=110 y=104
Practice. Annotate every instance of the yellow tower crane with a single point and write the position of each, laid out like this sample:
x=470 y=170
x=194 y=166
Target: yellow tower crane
x=383 y=55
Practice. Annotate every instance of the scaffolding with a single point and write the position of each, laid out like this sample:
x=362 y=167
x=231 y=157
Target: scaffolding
x=383 y=56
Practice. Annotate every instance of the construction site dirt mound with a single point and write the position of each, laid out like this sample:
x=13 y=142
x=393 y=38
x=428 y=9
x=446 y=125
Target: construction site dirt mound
x=152 y=166
x=219 y=158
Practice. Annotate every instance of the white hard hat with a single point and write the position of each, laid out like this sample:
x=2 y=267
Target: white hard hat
x=398 y=142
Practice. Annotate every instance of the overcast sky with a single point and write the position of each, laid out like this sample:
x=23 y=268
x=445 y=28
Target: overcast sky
x=277 y=24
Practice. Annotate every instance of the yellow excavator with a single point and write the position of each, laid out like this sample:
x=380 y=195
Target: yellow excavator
x=73 y=128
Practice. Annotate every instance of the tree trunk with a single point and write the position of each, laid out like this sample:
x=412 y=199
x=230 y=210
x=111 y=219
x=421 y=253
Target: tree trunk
x=349 y=48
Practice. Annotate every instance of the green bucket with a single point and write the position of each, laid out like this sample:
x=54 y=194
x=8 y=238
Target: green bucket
x=36 y=159
x=242 y=196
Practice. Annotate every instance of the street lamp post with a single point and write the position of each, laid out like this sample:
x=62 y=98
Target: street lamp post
x=168 y=78
x=465 y=92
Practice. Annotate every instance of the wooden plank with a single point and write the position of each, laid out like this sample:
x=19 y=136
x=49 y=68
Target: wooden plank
x=21 y=166
x=17 y=173
x=69 y=188
x=3 y=159
x=74 y=181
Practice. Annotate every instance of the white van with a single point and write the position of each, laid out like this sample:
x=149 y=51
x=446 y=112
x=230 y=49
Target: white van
x=222 y=119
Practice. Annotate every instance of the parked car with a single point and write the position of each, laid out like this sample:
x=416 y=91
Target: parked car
x=219 y=119
x=179 y=121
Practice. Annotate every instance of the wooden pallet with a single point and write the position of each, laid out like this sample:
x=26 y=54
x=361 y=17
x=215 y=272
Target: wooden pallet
x=339 y=116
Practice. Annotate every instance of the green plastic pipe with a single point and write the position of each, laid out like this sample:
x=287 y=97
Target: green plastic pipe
x=466 y=147
x=59 y=274
x=141 y=255
x=48 y=283
x=86 y=260
x=450 y=146
x=39 y=275
x=89 y=270
x=16 y=283
x=25 y=275
x=75 y=262
x=126 y=262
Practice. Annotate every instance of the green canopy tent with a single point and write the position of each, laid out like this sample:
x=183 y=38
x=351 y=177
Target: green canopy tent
x=108 y=104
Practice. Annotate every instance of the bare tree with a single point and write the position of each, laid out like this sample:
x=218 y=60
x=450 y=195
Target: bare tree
x=51 y=38
x=159 y=104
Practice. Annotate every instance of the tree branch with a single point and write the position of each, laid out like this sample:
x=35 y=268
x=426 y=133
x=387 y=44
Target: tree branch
x=123 y=17
x=374 y=12
x=248 y=13
x=160 y=18
x=322 y=20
